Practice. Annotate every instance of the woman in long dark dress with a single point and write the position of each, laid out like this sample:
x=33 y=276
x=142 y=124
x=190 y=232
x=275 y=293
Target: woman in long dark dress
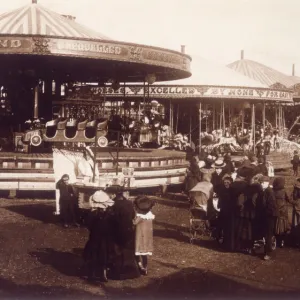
x=237 y=190
x=246 y=225
x=100 y=245
x=67 y=201
x=282 y=225
x=124 y=263
x=227 y=210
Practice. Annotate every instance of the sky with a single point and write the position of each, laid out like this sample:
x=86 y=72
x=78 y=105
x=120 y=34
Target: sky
x=267 y=30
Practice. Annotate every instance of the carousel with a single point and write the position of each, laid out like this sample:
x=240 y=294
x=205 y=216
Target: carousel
x=275 y=79
x=45 y=56
x=215 y=110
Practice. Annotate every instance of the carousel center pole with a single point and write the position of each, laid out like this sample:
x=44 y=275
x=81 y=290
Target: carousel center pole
x=253 y=125
x=214 y=116
x=190 y=134
x=243 y=119
x=36 y=102
x=264 y=117
x=200 y=129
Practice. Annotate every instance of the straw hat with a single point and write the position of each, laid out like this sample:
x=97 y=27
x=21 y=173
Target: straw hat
x=219 y=163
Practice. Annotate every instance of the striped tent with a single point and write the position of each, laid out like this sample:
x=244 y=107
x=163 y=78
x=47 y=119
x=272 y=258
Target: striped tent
x=263 y=74
x=205 y=72
x=35 y=19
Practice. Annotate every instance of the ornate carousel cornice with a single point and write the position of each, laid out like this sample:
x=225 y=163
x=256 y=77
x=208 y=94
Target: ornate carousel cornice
x=183 y=92
x=96 y=49
x=36 y=31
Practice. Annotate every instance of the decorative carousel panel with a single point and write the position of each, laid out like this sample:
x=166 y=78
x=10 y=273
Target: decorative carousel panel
x=177 y=64
x=161 y=91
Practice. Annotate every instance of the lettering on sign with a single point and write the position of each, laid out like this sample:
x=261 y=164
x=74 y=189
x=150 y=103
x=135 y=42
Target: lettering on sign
x=88 y=47
x=196 y=91
x=10 y=43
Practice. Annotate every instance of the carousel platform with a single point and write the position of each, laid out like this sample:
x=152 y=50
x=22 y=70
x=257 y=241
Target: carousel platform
x=152 y=168
x=279 y=160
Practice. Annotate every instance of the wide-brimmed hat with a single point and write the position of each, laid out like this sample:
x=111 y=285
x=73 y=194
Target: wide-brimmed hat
x=209 y=160
x=245 y=172
x=258 y=178
x=201 y=164
x=237 y=164
x=143 y=204
x=219 y=163
x=101 y=200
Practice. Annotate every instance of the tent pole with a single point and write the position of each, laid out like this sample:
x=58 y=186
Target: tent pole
x=214 y=116
x=190 y=135
x=253 y=126
x=223 y=117
x=264 y=116
x=243 y=118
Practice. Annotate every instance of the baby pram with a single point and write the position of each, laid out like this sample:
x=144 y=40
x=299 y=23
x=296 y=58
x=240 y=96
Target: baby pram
x=203 y=210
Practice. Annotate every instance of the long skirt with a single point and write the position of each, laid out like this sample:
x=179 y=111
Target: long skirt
x=124 y=264
x=244 y=236
x=228 y=226
x=282 y=226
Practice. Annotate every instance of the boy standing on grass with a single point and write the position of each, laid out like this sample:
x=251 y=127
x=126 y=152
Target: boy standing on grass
x=295 y=162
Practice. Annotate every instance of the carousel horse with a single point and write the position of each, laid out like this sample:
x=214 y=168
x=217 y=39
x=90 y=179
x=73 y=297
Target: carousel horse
x=180 y=142
x=165 y=136
x=207 y=138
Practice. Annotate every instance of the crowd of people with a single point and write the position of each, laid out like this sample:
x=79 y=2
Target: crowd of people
x=250 y=207
x=120 y=231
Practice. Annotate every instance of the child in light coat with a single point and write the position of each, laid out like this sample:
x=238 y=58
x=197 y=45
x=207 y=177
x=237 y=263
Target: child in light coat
x=143 y=231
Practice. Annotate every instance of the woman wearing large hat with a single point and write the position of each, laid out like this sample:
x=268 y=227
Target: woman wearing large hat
x=208 y=170
x=100 y=244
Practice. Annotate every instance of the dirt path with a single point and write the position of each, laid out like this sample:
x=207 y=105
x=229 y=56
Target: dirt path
x=41 y=259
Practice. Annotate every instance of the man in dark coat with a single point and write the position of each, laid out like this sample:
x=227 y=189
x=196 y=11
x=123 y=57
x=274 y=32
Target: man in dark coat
x=227 y=211
x=295 y=163
x=261 y=167
x=237 y=189
x=269 y=215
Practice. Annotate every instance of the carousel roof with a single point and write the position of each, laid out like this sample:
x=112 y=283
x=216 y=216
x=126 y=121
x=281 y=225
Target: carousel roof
x=205 y=72
x=34 y=19
x=76 y=53
x=263 y=74
x=209 y=81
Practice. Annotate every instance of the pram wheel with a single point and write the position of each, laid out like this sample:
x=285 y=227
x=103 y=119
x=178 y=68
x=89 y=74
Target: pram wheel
x=274 y=243
x=196 y=227
x=220 y=240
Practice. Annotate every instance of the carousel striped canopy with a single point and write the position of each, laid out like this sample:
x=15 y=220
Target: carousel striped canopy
x=206 y=72
x=263 y=74
x=35 y=19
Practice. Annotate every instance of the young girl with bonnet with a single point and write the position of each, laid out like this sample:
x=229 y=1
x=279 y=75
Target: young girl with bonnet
x=144 y=231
